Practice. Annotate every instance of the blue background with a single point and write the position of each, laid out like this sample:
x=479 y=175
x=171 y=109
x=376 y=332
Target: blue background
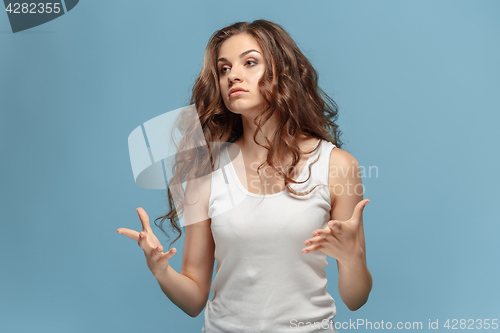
x=417 y=84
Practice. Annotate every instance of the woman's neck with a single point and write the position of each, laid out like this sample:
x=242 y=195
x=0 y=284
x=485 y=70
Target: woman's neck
x=251 y=149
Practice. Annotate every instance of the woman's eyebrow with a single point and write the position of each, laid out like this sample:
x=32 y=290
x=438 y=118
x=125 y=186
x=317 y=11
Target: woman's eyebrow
x=241 y=55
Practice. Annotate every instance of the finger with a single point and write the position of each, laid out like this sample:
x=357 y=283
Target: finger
x=143 y=216
x=318 y=236
x=336 y=227
x=143 y=242
x=335 y=230
x=315 y=240
x=160 y=257
x=157 y=253
x=169 y=254
x=332 y=222
x=358 y=210
x=312 y=248
x=321 y=232
x=132 y=234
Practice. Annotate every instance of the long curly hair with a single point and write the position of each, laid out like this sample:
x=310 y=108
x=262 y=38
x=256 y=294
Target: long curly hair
x=290 y=88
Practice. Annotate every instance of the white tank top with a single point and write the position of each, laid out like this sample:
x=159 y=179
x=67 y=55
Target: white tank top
x=264 y=283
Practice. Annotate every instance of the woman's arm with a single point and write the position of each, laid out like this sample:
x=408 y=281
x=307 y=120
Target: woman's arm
x=190 y=288
x=346 y=191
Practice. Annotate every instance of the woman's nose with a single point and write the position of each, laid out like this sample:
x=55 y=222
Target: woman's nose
x=235 y=75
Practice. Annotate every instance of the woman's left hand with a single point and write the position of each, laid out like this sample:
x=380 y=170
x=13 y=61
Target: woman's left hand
x=340 y=239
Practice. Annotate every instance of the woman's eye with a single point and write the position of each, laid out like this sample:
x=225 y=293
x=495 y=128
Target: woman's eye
x=251 y=63
x=223 y=70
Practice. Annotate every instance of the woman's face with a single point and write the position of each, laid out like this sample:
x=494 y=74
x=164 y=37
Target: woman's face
x=241 y=64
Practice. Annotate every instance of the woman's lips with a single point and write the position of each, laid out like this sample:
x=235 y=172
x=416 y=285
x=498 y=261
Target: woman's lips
x=236 y=92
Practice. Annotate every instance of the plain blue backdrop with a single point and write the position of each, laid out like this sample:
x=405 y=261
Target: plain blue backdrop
x=417 y=85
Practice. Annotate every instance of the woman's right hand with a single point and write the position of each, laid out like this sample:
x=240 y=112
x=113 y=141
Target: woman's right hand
x=157 y=260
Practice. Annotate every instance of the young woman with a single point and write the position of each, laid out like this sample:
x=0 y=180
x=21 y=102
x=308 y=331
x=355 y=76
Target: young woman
x=301 y=196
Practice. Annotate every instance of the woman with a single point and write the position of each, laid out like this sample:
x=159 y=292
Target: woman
x=302 y=195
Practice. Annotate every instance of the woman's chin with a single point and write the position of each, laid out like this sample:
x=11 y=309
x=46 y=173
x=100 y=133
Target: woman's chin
x=246 y=110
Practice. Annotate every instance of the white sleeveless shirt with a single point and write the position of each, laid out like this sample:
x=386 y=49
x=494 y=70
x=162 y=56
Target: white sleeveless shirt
x=264 y=283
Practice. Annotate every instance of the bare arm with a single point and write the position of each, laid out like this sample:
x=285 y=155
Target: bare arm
x=355 y=280
x=190 y=289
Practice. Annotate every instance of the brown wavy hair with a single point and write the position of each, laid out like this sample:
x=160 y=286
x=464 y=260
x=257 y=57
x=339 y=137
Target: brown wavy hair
x=290 y=87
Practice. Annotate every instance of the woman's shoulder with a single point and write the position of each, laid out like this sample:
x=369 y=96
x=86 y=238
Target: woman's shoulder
x=342 y=159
